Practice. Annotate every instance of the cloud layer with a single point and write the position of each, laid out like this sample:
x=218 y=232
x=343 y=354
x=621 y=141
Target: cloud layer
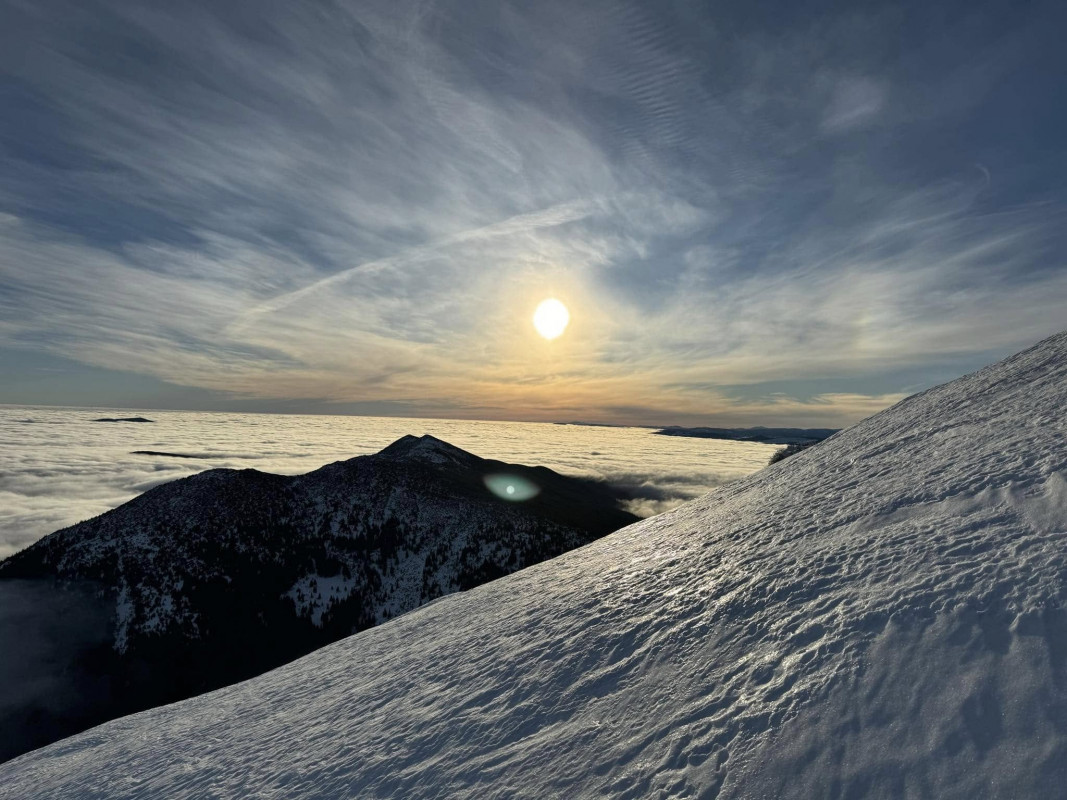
x=361 y=203
x=58 y=466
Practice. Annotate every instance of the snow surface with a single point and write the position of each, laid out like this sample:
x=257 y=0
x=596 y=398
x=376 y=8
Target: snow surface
x=315 y=594
x=881 y=615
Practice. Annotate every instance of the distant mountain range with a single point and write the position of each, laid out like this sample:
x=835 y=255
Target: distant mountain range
x=762 y=435
x=217 y=577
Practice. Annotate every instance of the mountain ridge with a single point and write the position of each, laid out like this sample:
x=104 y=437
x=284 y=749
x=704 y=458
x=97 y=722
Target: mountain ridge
x=881 y=615
x=223 y=574
x=759 y=433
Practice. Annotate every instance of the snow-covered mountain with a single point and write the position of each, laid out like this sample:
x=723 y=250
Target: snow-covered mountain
x=227 y=573
x=759 y=434
x=881 y=615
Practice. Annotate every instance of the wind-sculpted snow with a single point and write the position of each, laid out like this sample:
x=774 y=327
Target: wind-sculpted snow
x=881 y=615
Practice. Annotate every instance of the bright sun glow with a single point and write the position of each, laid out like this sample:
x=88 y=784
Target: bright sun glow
x=551 y=318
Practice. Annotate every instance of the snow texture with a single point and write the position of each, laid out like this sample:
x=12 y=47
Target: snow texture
x=882 y=615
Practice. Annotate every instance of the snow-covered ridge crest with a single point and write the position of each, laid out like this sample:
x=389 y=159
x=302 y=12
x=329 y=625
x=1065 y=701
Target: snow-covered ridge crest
x=881 y=615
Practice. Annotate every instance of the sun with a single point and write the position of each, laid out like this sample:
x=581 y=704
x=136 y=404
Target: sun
x=551 y=318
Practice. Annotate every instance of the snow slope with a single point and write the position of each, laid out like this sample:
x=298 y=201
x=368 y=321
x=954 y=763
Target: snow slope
x=881 y=615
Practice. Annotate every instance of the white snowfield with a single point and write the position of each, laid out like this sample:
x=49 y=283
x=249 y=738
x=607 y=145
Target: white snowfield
x=882 y=615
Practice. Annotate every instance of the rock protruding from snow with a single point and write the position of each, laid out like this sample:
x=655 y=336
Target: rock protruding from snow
x=881 y=615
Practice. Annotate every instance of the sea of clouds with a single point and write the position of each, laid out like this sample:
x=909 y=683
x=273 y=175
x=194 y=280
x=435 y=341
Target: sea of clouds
x=59 y=466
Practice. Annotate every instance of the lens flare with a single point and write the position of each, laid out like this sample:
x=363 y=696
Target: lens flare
x=551 y=318
x=514 y=488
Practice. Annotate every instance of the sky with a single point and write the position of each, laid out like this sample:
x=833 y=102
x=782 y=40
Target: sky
x=757 y=213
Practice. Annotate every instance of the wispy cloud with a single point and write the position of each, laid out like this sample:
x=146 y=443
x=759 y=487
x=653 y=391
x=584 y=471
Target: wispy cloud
x=358 y=203
x=511 y=227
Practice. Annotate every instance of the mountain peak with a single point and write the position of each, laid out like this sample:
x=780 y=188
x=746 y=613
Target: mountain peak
x=216 y=577
x=427 y=449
